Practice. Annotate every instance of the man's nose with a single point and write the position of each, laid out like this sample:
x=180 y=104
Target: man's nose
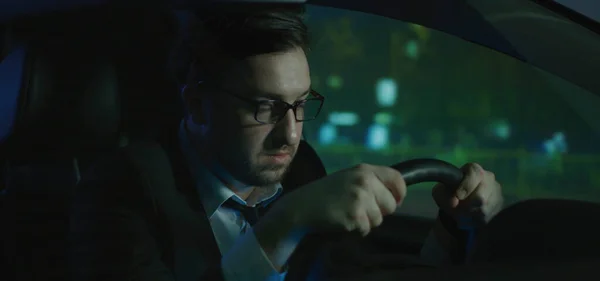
x=287 y=128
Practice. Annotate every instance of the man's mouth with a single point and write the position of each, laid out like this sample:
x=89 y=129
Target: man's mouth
x=282 y=154
x=279 y=157
x=278 y=153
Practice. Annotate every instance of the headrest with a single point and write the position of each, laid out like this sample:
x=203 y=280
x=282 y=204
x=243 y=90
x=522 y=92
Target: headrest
x=79 y=71
x=66 y=100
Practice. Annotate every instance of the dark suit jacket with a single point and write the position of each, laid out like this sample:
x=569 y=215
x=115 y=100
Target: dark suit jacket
x=123 y=227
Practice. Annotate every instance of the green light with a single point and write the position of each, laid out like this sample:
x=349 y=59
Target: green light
x=335 y=81
x=383 y=118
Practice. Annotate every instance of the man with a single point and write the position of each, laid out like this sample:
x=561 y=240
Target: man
x=248 y=93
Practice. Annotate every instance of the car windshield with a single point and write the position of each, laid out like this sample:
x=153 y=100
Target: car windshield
x=588 y=8
x=397 y=91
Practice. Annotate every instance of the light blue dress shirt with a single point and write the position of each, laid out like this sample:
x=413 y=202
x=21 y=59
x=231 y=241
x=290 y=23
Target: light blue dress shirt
x=243 y=257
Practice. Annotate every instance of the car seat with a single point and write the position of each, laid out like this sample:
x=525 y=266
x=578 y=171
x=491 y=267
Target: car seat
x=75 y=82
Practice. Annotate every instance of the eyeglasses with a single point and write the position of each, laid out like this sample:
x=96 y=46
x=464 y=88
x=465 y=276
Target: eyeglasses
x=273 y=111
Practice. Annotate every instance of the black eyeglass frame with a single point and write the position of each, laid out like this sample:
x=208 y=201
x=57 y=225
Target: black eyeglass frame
x=287 y=106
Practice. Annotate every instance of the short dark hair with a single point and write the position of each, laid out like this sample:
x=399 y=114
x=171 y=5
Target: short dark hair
x=219 y=35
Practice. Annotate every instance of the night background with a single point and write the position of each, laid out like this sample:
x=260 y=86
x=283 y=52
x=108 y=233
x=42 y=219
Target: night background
x=396 y=91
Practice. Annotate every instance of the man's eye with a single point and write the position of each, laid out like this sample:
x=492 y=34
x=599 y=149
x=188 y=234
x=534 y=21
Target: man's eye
x=265 y=106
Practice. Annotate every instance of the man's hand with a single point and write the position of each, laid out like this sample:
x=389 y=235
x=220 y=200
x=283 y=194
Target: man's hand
x=354 y=199
x=476 y=201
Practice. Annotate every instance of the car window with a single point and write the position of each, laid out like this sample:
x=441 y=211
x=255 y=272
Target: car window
x=397 y=91
x=589 y=8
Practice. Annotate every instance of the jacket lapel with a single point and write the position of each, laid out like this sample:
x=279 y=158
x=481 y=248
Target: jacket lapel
x=194 y=246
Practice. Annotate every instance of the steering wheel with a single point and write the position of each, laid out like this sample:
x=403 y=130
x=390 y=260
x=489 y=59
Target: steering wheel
x=429 y=170
x=413 y=171
x=510 y=235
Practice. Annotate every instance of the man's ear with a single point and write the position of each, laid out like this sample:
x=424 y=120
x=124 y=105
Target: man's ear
x=194 y=102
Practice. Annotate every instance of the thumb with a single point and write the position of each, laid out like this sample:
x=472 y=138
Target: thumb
x=443 y=197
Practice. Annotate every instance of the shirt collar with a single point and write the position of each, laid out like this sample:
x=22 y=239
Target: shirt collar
x=209 y=177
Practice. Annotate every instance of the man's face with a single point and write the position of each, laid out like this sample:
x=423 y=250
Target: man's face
x=257 y=154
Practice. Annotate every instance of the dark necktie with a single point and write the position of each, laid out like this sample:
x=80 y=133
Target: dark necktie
x=250 y=213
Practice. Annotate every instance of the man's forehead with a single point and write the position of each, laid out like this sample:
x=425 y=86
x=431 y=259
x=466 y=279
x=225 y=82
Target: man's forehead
x=281 y=76
x=284 y=97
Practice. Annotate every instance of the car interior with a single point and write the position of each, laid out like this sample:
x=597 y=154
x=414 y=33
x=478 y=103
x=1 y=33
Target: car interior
x=80 y=83
x=76 y=99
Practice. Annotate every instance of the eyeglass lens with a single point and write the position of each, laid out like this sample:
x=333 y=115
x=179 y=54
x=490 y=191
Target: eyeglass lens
x=273 y=111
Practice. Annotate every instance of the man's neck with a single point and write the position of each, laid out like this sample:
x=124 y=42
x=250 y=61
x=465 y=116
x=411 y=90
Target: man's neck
x=250 y=194
x=245 y=192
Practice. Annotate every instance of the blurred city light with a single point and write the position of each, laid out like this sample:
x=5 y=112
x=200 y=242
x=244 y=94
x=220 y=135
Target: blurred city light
x=386 y=91
x=383 y=118
x=335 y=81
x=327 y=134
x=343 y=118
x=500 y=129
x=557 y=144
x=412 y=49
x=377 y=137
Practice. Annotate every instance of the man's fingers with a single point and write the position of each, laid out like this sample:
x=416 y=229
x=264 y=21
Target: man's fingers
x=487 y=194
x=444 y=197
x=383 y=198
x=385 y=201
x=473 y=177
x=363 y=224
x=392 y=180
x=478 y=197
x=374 y=197
x=374 y=213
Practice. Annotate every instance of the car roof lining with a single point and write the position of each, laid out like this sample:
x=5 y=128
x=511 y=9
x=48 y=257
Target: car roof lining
x=466 y=19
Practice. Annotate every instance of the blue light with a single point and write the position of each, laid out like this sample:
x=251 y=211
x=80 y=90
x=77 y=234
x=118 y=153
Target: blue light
x=327 y=134
x=558 y=137
x=386 y=91
x=343 y=118
x=549 y=147
x=377 y=137
x=560 y=142
x=557 y=144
